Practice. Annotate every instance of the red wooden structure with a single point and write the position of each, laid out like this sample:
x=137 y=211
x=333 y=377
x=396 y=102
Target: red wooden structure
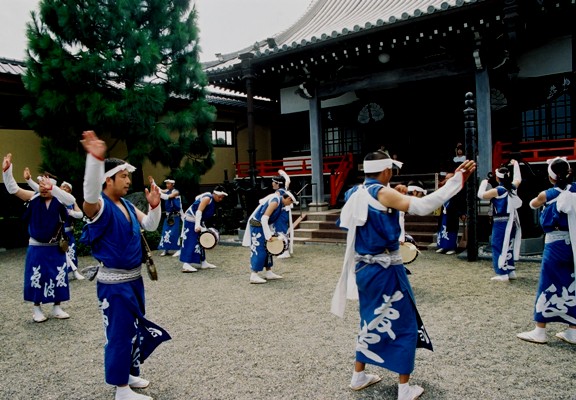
x=338 y=167
x=533 y=151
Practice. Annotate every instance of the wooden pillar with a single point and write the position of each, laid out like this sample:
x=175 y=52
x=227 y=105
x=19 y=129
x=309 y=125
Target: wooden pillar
x=484 y=117
x=247 y=76
x=317 y=156
x=471 y=189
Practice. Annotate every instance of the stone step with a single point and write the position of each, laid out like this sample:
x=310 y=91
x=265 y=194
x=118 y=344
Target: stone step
x=317 y=225
x=320 y=241
x=320 y=233
x=330 y=217
x=420 y=227
x=320 y=227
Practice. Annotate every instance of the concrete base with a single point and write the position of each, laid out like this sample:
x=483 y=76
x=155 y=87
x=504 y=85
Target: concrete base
x=529 y=246
x=318 y=207
x=532 y=246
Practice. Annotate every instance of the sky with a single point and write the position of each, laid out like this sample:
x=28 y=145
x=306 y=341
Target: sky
x=225 y=25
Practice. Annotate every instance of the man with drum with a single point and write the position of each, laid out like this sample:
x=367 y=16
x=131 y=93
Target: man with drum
x=260 y=235
x=373 y=272
x=283 y=224
x=192 y=254
x=173 y=209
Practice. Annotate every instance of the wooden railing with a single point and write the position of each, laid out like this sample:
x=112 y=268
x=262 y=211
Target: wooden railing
x=294 y=166
x=533 y=151
x=338 y=178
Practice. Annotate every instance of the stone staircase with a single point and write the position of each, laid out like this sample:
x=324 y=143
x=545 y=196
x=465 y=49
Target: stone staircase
x=320 y=227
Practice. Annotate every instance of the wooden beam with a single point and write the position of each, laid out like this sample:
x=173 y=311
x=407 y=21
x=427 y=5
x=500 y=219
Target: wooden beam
x=392 y=78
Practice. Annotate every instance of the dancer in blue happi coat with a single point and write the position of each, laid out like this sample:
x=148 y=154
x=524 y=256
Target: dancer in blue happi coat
x=45 y=276
x=556 y=295
x=114 y=233
x=283 y=224
x=192 y=255
x=373 y=273
x=73 y=211
x=260 y=229
x=452 y=212
x=506 y=230
x=170 y=238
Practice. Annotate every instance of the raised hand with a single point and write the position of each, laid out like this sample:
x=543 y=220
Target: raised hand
x=400 y=188
x=93 y=145
x=7 y=161
x=27 y=175
x=153 y=196
x=45 y=184
x=467 y=167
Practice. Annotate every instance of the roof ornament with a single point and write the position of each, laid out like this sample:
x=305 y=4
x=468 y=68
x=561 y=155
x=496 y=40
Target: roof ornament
x=305 y=91
x=477 y=59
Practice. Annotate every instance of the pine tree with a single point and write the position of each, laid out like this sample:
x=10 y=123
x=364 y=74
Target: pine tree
x=128 y=69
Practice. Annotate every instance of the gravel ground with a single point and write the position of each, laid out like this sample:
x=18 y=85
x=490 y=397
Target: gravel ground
x=233 y=340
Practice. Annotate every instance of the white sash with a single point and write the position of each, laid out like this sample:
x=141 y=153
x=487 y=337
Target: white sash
x=567 y=204
x=353 y=214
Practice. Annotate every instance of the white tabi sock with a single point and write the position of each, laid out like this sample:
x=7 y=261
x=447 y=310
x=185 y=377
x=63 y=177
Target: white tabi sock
x=125 y=393
x=358 y=378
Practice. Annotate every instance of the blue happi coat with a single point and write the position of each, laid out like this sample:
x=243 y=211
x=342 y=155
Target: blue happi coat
x=69 y=229
x=556 y=295
x=45 y=272
x=130 y=337
x=503 y=264
x=259 y=256
x=171 y=233
x=191 y=251
x=390 y=326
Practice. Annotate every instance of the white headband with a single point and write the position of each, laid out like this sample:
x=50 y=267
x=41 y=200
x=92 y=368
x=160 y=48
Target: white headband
x=550 y=161
x=66 y=184
x=373 y=166
x=219 y=193
x=499 y=174
x=52 y=181
x=169 y=181
x=289 y=193
x=115 y=170
x=416 y=189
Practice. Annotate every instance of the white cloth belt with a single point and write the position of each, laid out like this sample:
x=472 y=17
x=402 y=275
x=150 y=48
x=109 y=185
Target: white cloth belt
x=113 y=275
x=189 y=218
x=68 y=229
x=384 y=259
x=34 y=242
x=557 y=235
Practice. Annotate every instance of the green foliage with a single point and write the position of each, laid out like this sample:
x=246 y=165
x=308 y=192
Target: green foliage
x=128 y=69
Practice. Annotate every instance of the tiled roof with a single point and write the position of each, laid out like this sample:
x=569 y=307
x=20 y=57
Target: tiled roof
x=12 y=67
x=327 y=20
x=233 y=101
x=215 y=96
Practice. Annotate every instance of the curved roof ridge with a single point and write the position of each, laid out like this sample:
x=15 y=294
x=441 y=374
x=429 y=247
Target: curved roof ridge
x=342 y=16
x=328 y=19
